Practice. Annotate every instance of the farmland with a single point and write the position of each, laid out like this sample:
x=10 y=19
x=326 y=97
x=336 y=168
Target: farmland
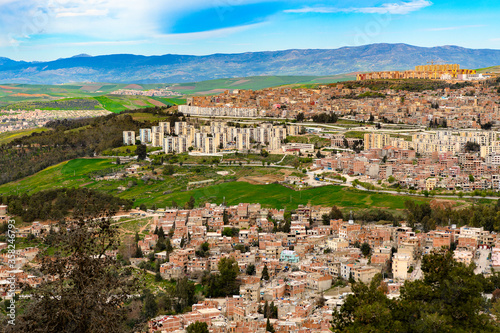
x=7 y=137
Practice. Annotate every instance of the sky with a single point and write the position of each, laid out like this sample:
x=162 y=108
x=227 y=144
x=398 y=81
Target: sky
x=41 y=30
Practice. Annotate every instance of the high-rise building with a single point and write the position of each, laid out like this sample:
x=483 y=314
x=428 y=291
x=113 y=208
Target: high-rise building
x=157 y=135
x=165 y=126
x=169 y=144
x=376 y=140
x=145 y=135
x=129 y=138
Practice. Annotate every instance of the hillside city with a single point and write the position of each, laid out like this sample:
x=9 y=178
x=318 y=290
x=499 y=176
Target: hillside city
x=220 y=263
x=302 y=262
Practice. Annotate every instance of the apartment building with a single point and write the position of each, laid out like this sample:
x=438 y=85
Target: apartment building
x=129 y=138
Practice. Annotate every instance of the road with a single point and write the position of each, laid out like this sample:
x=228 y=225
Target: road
x=482 y=262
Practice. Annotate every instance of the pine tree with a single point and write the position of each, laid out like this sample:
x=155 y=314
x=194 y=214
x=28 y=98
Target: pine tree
x=269 y=327
x=265 y=273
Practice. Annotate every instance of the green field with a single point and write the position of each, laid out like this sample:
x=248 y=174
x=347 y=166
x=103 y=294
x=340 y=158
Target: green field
x=67 y=174
x=277 y=196
x=7 y=137
x=161 y=193
x=255 y=83
x=98 y=95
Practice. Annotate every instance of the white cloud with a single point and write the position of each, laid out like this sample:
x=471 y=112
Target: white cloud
x=399 y=8
x=455 y=28
x=88 y=12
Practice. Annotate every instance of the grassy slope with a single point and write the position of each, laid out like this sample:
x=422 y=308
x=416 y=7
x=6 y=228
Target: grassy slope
x=492 y=69
x=7 y=137
x=253 y=83
x=66 y=174
x=275 y=195
x=75 y=173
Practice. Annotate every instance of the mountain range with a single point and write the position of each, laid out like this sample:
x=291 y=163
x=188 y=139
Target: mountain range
x=172 y=68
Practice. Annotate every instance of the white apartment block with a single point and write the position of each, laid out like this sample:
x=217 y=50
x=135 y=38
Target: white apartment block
x=145 y=135
x=211 y=138
x=165 y=126
x=169 y=144
x=400 y=265
x=129 y=138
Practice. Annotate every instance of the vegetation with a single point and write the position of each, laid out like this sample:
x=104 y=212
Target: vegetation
x=415 y=85
x=58 y=203
x=7 y=137
x=223 y=283
x=60 y=104
x=27 y=155
x=448 y=299
x=197 y=327
x=90 y=292
x=484 y=215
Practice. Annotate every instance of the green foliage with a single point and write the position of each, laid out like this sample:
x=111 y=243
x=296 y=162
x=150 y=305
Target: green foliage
x=168 y=170
x=41 y=150
x=86 y=275
x=58 y=203
x=223 y=283
x=269 y=327
x=265 y=274
x=141 y=152
x=325 y=118
x=150 y=307
x=366 y=249
x=483 y=215
x=250 y=270
x=448 y=299
x=197 y=327
x=471 y=146
x=230 y=232
x=415 y=85
x=204 y=250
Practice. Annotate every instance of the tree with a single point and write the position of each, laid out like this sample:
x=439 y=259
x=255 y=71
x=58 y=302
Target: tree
x=269 y=327
x=224 y=283
x=448 y=299
x=138 y=252
x=197 y=327
x=366 y=249
x=141 y=152
x=168 y=170
x=91 y=291
x=190 y=203
x=471 y=178
x=300 y=117
x=472 y=146
x=150 y=307
x=225 y=217
x=250 y=269
x=265 y=274
x=161 y=233
x=158 y=277
x=336 y=214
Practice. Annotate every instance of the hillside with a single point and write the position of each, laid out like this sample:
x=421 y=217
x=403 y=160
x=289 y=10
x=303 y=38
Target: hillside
x=98 y=95
x=171 y=68
x=493 y=69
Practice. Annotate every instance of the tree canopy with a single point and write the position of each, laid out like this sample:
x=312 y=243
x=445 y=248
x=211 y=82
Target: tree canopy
x=448 y=299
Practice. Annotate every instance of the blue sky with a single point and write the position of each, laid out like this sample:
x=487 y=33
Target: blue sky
x=51 y=29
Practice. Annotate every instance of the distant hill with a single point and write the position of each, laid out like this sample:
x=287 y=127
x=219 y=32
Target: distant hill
x=170 y=68
x=493 y=69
